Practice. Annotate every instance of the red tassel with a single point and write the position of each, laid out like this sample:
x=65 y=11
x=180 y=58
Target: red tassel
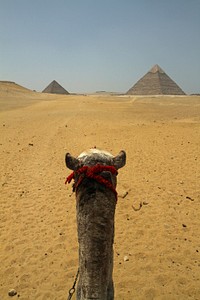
x=69 y=178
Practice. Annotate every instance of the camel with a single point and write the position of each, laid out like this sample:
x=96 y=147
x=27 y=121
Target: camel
x=94 y=174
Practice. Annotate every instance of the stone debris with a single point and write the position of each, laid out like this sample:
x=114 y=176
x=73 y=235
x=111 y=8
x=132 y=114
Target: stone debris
x=126 y=258
x=12 y=292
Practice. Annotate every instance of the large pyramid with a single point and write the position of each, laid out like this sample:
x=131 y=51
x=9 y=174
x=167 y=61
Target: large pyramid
x=155 y=82
x=55 y=88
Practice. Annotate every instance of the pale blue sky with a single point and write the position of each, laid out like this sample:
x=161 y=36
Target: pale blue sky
x=92 y=45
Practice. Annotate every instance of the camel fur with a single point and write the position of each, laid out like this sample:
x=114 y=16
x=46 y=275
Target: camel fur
x=95 y=207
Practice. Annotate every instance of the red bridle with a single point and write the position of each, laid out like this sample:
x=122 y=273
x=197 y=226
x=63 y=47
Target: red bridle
x=93 y=173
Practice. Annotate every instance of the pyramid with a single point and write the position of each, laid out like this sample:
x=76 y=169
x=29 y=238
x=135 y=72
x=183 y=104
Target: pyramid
x=155 y=82
x=55 y=88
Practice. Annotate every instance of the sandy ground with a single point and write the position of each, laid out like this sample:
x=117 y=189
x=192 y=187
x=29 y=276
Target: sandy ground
x=158 y=211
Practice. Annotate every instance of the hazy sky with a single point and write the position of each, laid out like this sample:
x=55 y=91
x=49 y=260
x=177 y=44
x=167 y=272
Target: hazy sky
x=92 y=45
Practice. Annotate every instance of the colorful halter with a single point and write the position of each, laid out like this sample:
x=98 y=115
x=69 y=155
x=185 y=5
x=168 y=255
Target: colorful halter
x=93 y=173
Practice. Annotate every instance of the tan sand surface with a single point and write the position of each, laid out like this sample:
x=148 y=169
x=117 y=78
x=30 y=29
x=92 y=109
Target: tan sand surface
x=158 y=210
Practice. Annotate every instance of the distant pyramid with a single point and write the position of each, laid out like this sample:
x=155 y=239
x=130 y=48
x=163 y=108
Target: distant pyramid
x=155 y=82
x=55 y=88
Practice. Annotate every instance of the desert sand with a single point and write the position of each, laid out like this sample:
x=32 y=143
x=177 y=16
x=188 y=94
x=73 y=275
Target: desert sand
x=158 y=210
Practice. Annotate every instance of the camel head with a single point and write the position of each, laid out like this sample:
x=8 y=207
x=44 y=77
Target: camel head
x=106 y=163
x=93 y=157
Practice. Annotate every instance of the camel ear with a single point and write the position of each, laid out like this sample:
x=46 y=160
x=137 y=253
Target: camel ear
x=120 y=160
x=71 y=162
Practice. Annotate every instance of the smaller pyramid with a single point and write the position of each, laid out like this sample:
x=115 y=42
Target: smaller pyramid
x=155 y=82
x=55 y=88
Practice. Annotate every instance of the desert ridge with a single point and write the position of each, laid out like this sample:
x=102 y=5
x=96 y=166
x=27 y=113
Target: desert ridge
x=157 y=245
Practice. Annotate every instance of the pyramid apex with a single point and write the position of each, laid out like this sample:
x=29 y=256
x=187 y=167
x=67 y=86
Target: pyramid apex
x=156 y=69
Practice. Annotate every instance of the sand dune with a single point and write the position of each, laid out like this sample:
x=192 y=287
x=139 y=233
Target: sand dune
x=158 y=210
